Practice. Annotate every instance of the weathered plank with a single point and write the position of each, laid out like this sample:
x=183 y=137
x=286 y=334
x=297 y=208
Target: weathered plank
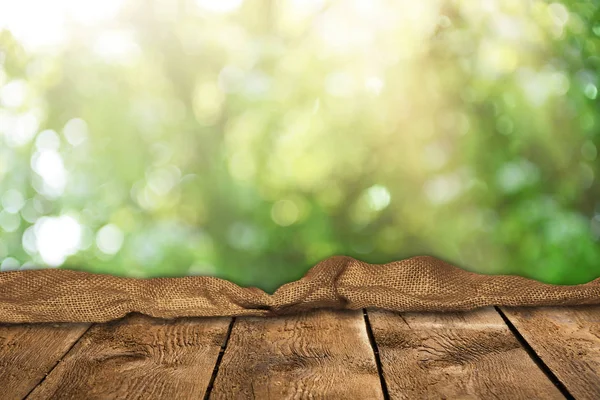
x=139 y=358
x=29 y=351
x=568 y=342
x=455 y=355
x=320 y=354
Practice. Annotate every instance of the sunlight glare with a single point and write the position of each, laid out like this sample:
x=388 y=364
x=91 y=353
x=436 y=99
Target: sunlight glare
x=41 y=24
x=219 y=6
x=57 y=238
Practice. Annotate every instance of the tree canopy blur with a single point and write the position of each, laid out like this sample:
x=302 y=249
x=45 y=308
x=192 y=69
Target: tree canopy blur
x=251 y=139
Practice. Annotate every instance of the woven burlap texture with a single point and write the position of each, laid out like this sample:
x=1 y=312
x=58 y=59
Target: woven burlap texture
x=415 y=284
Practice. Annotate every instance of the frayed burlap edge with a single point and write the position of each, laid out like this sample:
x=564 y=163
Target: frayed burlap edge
x=415 y=284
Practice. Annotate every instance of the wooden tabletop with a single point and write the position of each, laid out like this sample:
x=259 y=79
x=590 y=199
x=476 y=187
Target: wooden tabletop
x=500 y=353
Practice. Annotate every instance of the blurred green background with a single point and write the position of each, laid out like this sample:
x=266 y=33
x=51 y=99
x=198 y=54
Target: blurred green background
x=251 y=139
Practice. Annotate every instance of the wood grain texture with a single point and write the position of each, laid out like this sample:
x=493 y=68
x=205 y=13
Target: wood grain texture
x=28 y=352
x=568 y=342
x=322 y=354
x=139 y=358
x=471 y=355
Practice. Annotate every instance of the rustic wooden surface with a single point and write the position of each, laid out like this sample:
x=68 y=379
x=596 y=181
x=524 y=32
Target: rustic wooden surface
x=500 y=353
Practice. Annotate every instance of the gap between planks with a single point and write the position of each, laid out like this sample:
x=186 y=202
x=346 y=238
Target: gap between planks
x=534 y=356
x=373 y=342
x=219 y=359
x=29 y=352
x=567 y=339
x=59 y=360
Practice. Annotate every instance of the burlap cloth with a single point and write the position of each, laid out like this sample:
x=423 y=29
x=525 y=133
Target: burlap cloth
x=414 y=284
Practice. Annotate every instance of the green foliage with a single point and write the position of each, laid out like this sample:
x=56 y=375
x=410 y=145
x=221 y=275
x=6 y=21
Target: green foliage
x=249 y=143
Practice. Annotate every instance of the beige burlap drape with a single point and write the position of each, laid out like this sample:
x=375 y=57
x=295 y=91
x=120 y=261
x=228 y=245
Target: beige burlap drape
x=415 y=284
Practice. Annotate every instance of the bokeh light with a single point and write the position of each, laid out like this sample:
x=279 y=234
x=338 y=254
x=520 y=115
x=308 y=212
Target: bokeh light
x=251 y=139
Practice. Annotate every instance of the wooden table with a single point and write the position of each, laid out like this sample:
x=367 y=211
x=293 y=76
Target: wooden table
x=499 y=353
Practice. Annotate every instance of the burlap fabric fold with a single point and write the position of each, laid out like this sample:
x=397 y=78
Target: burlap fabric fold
x=415 y=284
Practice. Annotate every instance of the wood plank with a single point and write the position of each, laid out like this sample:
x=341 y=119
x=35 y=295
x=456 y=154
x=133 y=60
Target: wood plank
x=455 y=355
x=139 y=358
x=567 y=339
x=29 y=351
x=319 y=354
